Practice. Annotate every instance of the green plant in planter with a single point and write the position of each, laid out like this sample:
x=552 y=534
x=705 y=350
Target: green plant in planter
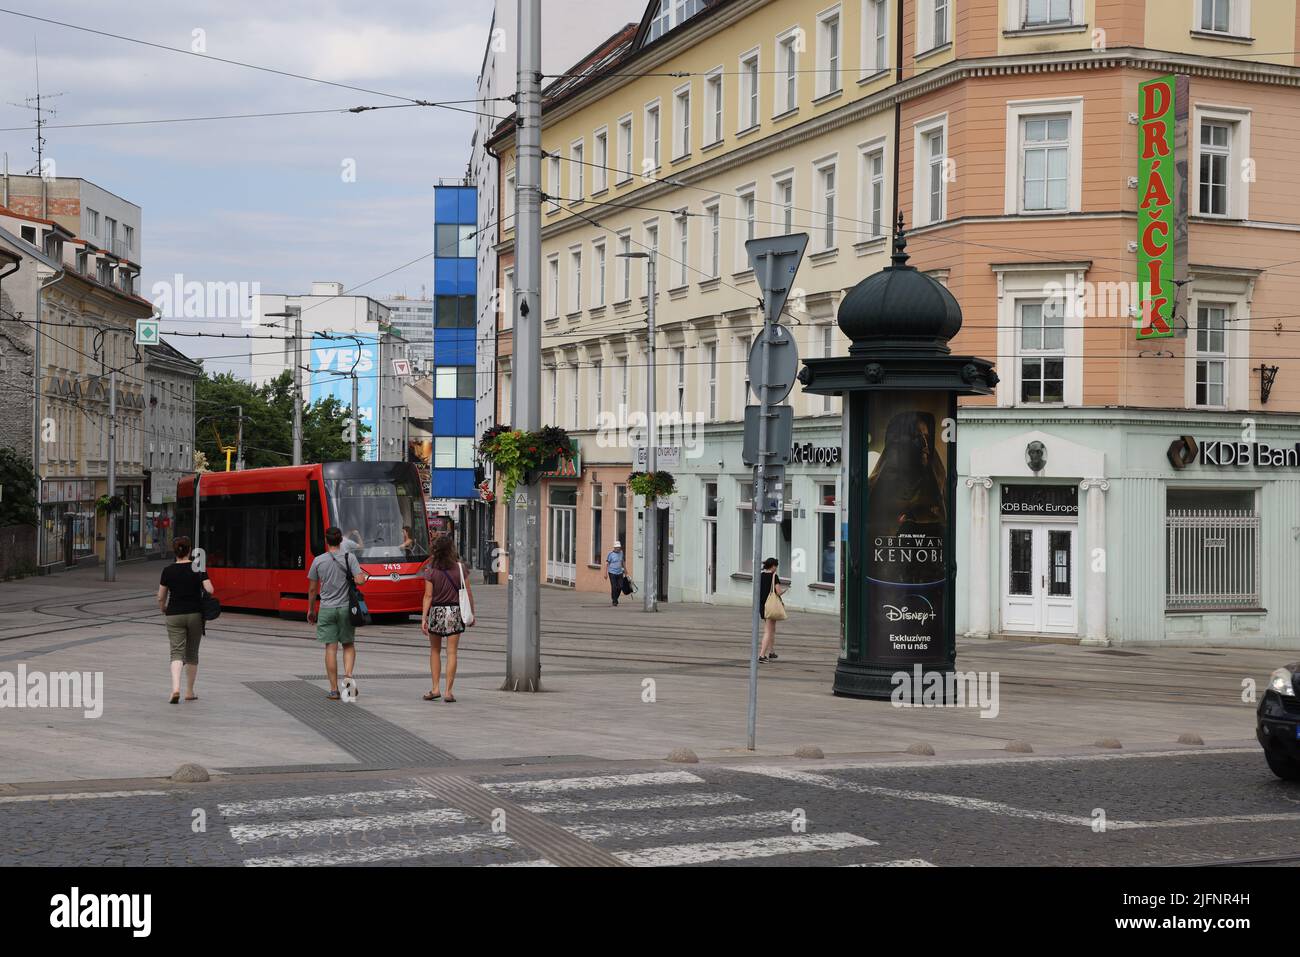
x=515 y=453
x=652 y=485
x=110 y=503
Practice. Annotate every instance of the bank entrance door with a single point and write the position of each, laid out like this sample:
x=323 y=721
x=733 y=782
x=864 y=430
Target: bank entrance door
x=1038 y=578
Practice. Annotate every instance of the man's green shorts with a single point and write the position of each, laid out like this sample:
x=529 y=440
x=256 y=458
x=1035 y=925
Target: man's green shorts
x=334 y=626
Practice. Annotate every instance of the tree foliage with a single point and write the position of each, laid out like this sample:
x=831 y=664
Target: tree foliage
x=268 y=423
x=18 y=501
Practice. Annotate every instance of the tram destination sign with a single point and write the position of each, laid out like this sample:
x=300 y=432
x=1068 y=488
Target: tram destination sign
x=1048 y=501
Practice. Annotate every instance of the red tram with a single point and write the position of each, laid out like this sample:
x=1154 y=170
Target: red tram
x=260 y=529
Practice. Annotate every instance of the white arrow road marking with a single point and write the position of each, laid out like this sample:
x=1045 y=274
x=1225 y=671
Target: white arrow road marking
x=906 y=862
x=306 y=802
x=685 y=825
x=251 y=833
x=596 y=782
x=677 y=854
x=686 y=799
x=453 y=844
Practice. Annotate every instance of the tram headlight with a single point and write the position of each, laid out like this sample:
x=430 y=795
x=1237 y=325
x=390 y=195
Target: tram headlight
x=1283 y=682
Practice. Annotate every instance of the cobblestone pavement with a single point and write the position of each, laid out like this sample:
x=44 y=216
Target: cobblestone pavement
x=1193 y=807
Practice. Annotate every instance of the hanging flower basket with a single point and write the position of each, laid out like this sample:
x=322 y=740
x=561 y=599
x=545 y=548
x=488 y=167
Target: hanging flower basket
x=652 y=485
x=514 y=453
x=110 y=504
x=485 y=492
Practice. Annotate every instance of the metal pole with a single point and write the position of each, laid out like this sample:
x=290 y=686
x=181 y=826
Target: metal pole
x=356 y=422
x=650 y=600
x=239 y=441
x=110 y=535
x=758 y=503
x=523 y=624
x=297 y=384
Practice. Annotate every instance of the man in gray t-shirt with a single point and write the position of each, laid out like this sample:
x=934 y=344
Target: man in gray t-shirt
x=328 y=607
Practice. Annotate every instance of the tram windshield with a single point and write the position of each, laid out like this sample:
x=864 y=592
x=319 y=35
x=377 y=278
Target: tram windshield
x=382 y=520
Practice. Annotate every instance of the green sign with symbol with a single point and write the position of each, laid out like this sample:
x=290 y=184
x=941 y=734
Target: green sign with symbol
x=146 y=332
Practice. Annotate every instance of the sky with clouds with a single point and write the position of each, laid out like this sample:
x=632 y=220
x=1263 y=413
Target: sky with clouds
x=265 y=200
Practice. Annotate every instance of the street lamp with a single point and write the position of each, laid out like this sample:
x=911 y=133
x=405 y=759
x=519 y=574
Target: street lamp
x=651 y=545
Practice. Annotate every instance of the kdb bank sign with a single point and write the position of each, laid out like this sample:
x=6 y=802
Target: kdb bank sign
x=333 y=362
x=1185 y=451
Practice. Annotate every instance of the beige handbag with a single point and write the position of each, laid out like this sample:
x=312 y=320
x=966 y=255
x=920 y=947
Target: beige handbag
x=774 y=607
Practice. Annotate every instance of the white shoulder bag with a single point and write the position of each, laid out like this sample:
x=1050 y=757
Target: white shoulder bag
x=466 y=612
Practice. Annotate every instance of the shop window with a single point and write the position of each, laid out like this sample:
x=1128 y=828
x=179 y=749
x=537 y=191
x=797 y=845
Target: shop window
x=745 y=514
x=827 y=535
x=597 y=522
x=620 y=515
x=1212 y=538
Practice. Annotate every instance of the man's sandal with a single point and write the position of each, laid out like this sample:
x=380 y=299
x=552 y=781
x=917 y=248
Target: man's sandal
x=430 y=696
x=333 y=696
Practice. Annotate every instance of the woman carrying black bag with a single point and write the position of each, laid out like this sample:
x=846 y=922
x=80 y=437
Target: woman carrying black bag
x=181 y=594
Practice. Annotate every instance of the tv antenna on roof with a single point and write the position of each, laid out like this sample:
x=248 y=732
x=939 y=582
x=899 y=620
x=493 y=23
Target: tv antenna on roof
x=37 y=104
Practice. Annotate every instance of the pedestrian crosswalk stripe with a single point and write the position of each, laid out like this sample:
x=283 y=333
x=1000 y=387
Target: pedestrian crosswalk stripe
x=593 y=783
x=251 y=833
x=539 y=862
x=79 y=796
x=906 y=862
x=682 y=825
x=704 y=853
x=430 y=847
x=309 y=801
x=645 y=803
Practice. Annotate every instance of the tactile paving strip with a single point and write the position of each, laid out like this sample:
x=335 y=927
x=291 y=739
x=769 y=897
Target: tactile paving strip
x=370 y=739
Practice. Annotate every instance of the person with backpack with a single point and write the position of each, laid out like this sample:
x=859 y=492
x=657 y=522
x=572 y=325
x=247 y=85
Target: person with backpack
x=180 y=599
x=444 y=616
x=771 y=607
x=330 y=580
x=616 y=572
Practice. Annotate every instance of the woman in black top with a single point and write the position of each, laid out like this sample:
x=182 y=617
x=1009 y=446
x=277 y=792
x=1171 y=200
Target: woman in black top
x=769 y=580
x=180 y=594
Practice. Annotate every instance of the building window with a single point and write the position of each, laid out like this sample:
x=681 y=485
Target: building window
x=745 y=515
x=747 y=206
x=931 y=183
x=128 y=237
x=743 y=345
x=598 y=273
x=826 y=191
x=749 y=89
x=713 y=216
x=872 y=190
x=1216 y=16
x=1045 y=162
x=875 y=36
x=681 y=225
x=620 y=516
x=1211 y=355
x=652 y=135
x=577 y=179
x=600 y=161
x=553 y=181
x=1042 y=352
x=508 y=301
x=713 y=107
x=598 y=393
x=828 y=52
x=652 y=246
x=554 y=375
x=575 y=280
x=94 y=221
x=553 y=287
x=681 y=122
x=1216 y=143
x=940 y=23
x=679 y=363
x=1043 y=13
x=787 y=63
x=597 y=520
x=622 y=382
x=827 y=534
x=624 y=267
x=783 y=192
x=511 y=200
x=625 y=149
x=1212 y=537
x=827 y=351
x=574 y=421
x=711 y=357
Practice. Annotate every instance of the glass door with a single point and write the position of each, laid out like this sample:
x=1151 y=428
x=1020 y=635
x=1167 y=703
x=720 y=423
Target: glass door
x=562 y=539
x=1038 y=594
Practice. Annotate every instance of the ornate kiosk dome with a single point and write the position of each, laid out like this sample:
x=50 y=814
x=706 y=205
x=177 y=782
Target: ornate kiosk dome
x=899 y=309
